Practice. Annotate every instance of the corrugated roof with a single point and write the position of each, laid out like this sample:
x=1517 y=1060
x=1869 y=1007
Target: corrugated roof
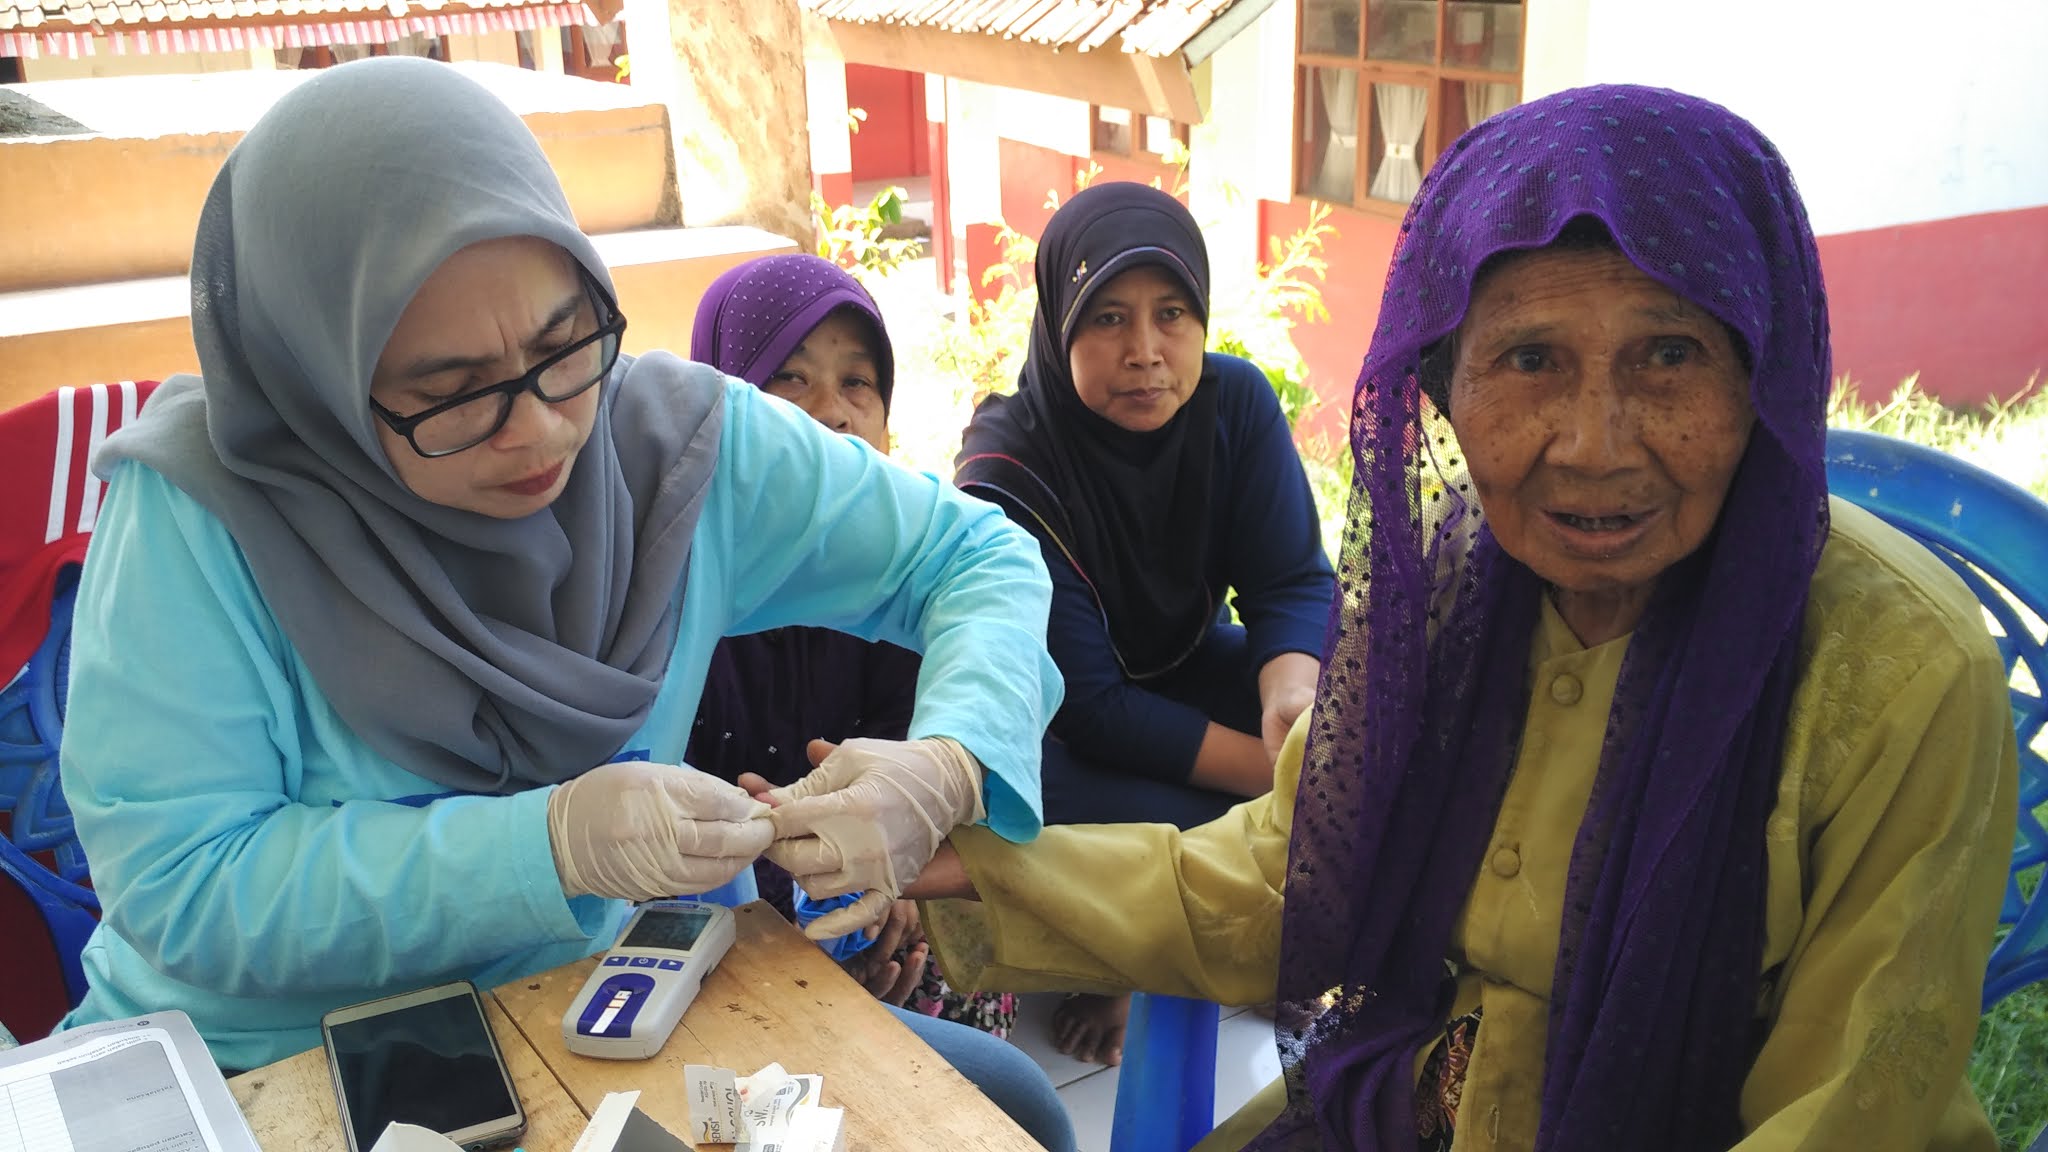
x=1151 y=27
x=80 y=15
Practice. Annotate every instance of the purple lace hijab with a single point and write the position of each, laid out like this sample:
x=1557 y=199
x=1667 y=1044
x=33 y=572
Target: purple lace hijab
x=1417 y=719
x=753 y=316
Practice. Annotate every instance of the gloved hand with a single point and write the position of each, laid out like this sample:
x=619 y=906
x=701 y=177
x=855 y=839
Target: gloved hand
x=868 y=820
x=639 y=831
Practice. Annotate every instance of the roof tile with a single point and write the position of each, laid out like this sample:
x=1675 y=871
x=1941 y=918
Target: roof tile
x=77 y=15
x=1153 y=27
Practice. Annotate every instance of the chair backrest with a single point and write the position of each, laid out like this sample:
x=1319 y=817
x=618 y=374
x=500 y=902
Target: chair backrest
x=1995 y=536
x=39 y=851
x=49 y=502
x=1166 y=1088
x=49 y=499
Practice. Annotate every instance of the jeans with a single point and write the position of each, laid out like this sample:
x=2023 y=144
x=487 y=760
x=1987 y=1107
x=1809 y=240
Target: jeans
x=1010 y=1079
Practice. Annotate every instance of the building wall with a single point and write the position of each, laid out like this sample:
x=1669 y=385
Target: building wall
x=730 y=75
x=831 y=139
x=1358 y=255
x=106 y=62
x=99 y=231
x=1054 y=123
x=1962 y=302
x=1034 y=175
x=1920 y=144
x=946 y=242
x=1241 y=154
x=891 y=143
x=125 y=206
x=659 y=285
x=1888 y=113
x=1043 y=151
x=500 y=47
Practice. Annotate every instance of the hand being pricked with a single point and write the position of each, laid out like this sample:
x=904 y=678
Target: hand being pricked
x=756 y=785
x=867 y=819
x=892 y=967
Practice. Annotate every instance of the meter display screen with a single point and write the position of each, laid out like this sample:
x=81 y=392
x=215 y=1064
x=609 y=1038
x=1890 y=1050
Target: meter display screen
x=675 y=929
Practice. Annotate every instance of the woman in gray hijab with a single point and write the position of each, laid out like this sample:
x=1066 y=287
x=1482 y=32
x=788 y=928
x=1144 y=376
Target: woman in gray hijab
x=391 y=635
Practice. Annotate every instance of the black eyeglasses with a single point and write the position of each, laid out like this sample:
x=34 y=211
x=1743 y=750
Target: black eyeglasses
x=474 y=417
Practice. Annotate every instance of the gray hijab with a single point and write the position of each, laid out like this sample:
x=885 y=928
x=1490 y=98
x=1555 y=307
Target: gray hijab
x=487 y=655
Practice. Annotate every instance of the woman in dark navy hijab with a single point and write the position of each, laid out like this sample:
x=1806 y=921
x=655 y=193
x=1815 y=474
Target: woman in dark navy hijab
x=1160 y=479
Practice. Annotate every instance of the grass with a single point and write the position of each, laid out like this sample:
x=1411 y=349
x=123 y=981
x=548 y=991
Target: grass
x=2008 y=438
x=2008 y=1063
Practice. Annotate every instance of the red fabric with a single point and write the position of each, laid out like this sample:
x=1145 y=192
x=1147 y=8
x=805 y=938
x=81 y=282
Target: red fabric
x=48 y=505
x=51 y=500
x=32 y=995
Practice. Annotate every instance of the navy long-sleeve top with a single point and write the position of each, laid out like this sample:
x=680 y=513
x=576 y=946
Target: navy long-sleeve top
x=1267 y=549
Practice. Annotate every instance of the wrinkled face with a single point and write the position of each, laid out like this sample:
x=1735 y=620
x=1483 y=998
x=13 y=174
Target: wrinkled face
x=1602 y=416
x=833 y=377
x=488 y=314
x=1137 y=349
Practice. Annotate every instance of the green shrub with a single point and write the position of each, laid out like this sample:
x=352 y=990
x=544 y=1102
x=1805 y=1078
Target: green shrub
x=851 y=235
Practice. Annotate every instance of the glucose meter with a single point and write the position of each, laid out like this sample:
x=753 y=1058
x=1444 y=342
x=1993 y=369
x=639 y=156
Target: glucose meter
x=638 y=992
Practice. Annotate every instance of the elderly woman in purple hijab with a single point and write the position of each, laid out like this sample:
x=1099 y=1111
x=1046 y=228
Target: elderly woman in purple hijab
x=1651 y=798
x=801 y=329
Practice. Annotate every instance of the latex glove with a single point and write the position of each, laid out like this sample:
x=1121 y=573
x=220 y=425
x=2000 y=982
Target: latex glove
x=868 y=820
x=640 y=831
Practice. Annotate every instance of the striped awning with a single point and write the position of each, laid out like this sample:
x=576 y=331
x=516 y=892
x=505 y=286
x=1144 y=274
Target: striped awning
x=211 y=37
x=1149 y=27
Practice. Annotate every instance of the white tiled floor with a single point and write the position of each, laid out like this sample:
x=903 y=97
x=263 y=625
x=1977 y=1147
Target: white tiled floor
x=1246 y=1061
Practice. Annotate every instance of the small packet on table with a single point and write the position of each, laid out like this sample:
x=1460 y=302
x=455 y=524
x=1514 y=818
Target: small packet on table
x=714 y=1097
x=770 y=1111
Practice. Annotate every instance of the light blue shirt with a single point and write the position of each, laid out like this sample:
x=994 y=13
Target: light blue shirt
x=259 y=864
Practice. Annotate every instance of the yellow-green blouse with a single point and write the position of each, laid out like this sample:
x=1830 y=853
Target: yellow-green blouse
x=1887 y=855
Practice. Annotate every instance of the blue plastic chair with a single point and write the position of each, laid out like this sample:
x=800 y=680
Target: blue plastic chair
x=1994 y=534
x=1166 y=1088
x=40 y=851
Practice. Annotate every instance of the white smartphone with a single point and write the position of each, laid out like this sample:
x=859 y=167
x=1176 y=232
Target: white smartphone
x=425 y=1058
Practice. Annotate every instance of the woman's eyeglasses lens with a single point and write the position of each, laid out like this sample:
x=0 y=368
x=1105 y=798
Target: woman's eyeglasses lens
x=474 y=421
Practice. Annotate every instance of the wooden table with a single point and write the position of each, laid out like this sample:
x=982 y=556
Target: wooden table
x=775 y=997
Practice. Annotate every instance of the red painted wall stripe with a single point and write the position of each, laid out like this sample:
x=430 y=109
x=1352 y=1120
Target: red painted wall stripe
x=1963 y=302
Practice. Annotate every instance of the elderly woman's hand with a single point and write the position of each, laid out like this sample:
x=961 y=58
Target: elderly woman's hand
x=1287 y=688
x=868 y=819
x=892 y=967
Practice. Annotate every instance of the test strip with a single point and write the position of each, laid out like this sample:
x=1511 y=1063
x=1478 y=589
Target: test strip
x=611 y=1011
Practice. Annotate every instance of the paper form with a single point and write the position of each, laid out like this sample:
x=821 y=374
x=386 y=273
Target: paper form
x=127 y=1092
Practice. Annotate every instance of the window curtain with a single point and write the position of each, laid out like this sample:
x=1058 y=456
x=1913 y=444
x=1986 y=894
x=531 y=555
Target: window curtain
x=411 y=44
x=1402 y=111
x=599 y=40
x=1485 y=101
x=1340 y=151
